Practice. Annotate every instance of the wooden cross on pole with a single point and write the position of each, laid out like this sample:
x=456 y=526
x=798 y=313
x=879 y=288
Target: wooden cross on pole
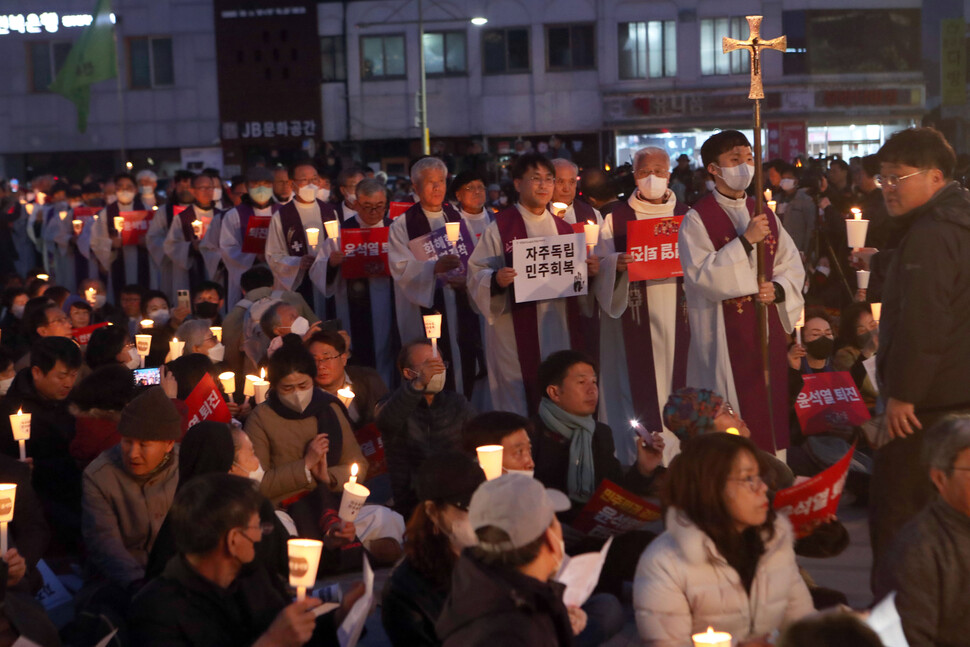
x=755 y=44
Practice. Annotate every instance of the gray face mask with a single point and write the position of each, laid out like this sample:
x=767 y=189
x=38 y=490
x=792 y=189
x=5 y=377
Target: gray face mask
x=297 y=400
x=437 y=382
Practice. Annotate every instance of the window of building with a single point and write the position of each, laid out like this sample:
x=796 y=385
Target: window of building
x=570 y=47
x=382 y=57
x=150 y=63
x=46 y=59
x=506 y=50
x=333 y=58
x=444 y=53
x=713 y=61
x=647 y=49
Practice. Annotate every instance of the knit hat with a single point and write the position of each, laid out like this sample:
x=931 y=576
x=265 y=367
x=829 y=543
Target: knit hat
x=151 y=416
x=690 y=412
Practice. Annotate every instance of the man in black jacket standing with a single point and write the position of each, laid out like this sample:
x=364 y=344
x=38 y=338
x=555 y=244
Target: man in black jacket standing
x=924 y=356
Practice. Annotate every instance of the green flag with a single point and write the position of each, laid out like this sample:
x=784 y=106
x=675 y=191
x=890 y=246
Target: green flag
x=91 y=59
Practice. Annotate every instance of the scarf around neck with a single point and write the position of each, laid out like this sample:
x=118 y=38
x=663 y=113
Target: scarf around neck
x=581 y=477
x=321 y=408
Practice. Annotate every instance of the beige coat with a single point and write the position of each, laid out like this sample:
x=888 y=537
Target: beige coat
x=683 y=585
x=280 y=445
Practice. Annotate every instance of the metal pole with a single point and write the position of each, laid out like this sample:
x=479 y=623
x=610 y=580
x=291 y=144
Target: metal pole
x=121 y=100
x=425 y=133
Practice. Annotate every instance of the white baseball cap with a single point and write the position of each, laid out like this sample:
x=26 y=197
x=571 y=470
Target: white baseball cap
x=518 y=505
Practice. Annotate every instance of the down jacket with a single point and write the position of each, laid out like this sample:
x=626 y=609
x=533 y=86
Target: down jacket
x=683 y=585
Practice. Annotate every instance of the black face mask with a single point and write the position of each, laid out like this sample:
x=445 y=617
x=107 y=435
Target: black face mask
x=863 y=340
x=820 y=348
x=206 y=309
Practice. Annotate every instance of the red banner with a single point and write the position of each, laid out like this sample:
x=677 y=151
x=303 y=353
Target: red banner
x=372 y=447
x=812 y=501
x=83 y=335
x=653 y=245
x=206 y=403
x=85 y=212
x=829 y=400
x=257 y=229
x=787 y=140
x=136 y=227
x=365 y=253
x=614 y=511
x=395 y=209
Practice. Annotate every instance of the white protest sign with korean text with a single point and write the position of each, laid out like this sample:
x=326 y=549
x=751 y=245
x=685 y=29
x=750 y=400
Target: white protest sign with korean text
x=550 y=267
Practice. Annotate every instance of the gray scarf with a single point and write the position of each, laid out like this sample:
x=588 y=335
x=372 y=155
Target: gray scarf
x=581 y=479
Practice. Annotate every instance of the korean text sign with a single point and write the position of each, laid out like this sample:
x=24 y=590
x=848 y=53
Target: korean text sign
x=136 y=227
x=613 y=510
x=814 y=500
x=365 y=253
x=206 y=403
x=653 y=245
x=436 y=244
x=829 y=400
x=550 y=267
x=257 y=230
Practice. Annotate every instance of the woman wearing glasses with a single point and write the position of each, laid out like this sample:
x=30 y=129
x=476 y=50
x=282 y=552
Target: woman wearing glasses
x=725 y=560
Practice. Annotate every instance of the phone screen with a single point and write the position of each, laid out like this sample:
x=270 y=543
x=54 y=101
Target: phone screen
x=183 y=299
x=147 y=376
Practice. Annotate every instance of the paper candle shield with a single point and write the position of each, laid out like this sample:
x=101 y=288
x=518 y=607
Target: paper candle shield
x=20 y=424
x=453 y=231
x=333 y=228
x=217 y=333
x=312 y=236
x=304 y=558
x=8 y=495
x=228 y=380
x=352 y=501
x=490 y=458
x=143 y=344
x=432 y=326
x=711 y=638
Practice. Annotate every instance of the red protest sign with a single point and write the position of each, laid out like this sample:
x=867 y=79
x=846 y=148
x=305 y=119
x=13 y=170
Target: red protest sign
x=177 y=209
x=206 y=403
x=814 y=500
x=653 y=245
x=365 y=253
x=397 y=208
x=257 y=229
x=614 y=511
x=829 y=400
x=83 y=335
x=86 y=212
x=579 y=227
x=372 y=447
x=136 y=227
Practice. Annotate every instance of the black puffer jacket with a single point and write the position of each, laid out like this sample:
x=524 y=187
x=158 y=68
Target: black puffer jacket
x=489 y=607
x=924 y=339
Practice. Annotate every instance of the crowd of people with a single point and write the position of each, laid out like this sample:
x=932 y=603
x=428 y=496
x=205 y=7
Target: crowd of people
x=205 y=370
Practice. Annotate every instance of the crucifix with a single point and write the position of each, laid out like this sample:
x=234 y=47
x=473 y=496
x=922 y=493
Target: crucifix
x=754 y=45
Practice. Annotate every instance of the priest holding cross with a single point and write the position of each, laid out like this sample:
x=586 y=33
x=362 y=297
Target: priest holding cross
x=742 y=276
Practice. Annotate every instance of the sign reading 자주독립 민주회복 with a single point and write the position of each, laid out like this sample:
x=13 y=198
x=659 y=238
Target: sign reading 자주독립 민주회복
x=257 y=230
x=814 y=500
x=136 y=227
x=613 y=510
x=653 y=245
x=829 y=400
x=365 y=253
x=206 y=403
x=550 y=267
x=434 y=245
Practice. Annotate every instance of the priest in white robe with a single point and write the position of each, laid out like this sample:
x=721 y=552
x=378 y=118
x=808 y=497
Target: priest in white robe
x=643 y=354
x=365 y=306
x=719 y=258
x=180 y=196
x=182 y=241
x=147 y=184
x=564 y=193
x=124 y=264
x=238 y=254
x=347 y=181
x=512 y=368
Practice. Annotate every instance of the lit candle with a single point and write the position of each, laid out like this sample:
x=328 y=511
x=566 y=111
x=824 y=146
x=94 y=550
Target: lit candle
x=353 y=498
x=490 y=458
x=333 y=231
x=119 y=223
x=30 y=208
x=767 y=195
x=856 y=228
x=197 y=228
x=78 y=226
x=44 y=277
x=217 y=333
x=8 y=495
x=453 y=231
x=432 y=328
x=592 y=234
x=876 y=310
x=712 y=638
x=62 y=215
x=228 y=380
x=862 y=279
x=20 y=425
x=304 y=559
x=559 y=208
x=249 y=386
x=175 y=348
x=772 y=204
x=346 y=393
x=312 y=236
x=89 y=295
x=798 y=327
x=147 y=324
x=733 y=431
x=354 y=469
x=260 y=387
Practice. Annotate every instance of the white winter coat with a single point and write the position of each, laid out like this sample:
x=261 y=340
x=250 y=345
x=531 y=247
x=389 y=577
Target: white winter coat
x=683 y=585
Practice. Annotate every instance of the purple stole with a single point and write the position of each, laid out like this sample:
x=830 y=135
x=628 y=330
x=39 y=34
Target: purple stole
x=469 y=335
x=511 y=226
x=637 y=338
x=118 y=274
x=293 y=231
x=741 y=328
x=588 y=326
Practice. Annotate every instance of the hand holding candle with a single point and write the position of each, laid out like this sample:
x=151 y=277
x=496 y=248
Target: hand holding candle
x=592 y=231
x=20 y=425
x=304 y=560
x=353 y=498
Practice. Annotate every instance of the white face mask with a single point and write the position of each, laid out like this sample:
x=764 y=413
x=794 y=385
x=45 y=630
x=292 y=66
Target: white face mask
x=437 y=382
x=5 y=385
x=461 y=534
x=307 y=193
x=145 y=189
x=217 y=194
x=300 y=326
x=652 y=187
x=297 y=400
x=160 y=317
x=323 y=194
x=256 y=475
x=216 y=353
x=787 y=183
x=261 y=194
x=529 y=473
x=18 y=311
x=134 y=360
x=739 y=177
x=99 y=301
x=503 y=199
x=126 y=197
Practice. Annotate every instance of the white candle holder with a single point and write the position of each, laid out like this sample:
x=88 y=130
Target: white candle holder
x=312 y=236
x=8 y=496
x=862 y=279
x=856 y=228
x=217 y=333
x=490 y=458
x=78 y=226
x=304 y=560
x=20 y=426
x=228 y=380
x=175 y=348
x=592 y=231
x=143 y=344
x=119 y=223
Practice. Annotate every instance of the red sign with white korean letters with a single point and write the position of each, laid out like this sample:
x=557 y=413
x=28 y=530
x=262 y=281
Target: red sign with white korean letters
x=829 y=400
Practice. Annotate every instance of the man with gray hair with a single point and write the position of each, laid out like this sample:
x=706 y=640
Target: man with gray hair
x=929 y=564
x=564 y=193
x=364 y=303
x=643 y=354
x=425 y=285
